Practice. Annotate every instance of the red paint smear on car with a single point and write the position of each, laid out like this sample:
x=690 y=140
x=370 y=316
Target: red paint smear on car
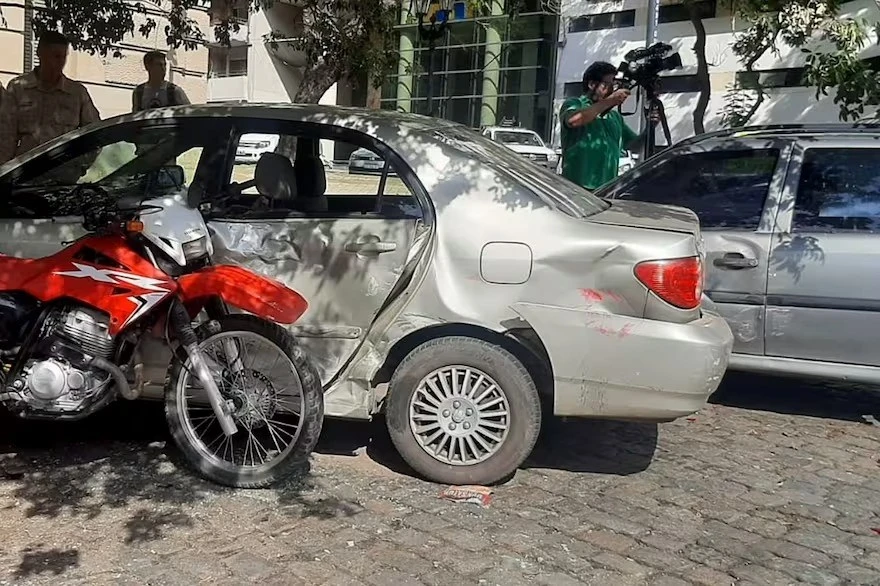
x=606 y=331
x=594 y=295
x=591 y=295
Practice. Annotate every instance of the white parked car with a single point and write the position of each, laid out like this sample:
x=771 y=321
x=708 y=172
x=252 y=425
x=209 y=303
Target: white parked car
x=627 y=161
x=251 y=146
x=366 y=161
x=525 y=142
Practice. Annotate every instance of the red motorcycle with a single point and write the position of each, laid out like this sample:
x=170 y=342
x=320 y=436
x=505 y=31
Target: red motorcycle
x=243 y=401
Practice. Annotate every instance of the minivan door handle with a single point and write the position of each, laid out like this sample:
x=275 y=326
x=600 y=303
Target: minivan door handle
x=736 y=261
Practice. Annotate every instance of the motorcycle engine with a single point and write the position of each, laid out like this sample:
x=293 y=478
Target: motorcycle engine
x=51 y=385
x=88 y=328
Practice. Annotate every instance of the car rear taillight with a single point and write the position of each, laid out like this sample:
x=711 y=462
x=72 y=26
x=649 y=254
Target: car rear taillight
x=677 y=281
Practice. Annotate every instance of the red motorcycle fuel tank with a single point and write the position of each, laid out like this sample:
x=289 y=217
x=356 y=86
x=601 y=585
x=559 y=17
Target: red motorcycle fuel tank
x=100 y=271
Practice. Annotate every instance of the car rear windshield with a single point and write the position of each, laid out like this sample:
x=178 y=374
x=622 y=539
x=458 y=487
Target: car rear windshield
x=547 y=185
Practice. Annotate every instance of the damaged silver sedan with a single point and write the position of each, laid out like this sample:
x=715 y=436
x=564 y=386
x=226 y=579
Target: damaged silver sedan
x=459 y=289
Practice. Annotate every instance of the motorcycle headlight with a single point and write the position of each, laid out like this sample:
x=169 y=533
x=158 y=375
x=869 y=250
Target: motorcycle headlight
x=195 y=248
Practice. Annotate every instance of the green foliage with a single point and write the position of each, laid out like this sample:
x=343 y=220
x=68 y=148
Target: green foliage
x=832 y=47
x=99 y=27
x=339 y=38
x=342 y=38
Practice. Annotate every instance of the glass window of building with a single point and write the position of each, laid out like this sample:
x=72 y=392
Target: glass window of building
x=489 y=68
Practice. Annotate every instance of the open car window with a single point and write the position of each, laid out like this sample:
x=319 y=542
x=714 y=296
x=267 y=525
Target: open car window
x=128 y=160
x=292 y=174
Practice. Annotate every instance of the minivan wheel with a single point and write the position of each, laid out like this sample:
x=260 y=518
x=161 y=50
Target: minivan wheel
x=463 y=411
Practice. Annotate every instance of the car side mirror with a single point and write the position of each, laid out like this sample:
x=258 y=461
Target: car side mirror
x=170 y=177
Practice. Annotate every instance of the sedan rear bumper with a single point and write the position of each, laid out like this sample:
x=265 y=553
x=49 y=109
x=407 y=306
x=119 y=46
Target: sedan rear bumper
x=618 y=367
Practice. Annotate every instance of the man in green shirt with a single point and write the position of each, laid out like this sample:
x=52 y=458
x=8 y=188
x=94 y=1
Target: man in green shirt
x=593 y=131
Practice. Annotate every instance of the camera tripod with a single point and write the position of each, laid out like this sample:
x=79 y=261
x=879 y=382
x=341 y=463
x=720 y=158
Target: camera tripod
x=653 y=102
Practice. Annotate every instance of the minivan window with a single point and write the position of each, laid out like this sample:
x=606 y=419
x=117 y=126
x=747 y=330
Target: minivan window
x=839 y=190
x=725 y=188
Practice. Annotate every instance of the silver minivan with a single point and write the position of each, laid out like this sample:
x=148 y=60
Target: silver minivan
x=791 y=222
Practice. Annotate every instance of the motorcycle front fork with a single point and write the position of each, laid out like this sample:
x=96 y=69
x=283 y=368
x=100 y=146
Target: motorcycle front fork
x=186 y=335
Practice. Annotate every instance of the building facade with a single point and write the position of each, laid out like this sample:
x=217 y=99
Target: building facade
x=487 y=69
x=110 y=80
x=605 y=30
x=252 y=70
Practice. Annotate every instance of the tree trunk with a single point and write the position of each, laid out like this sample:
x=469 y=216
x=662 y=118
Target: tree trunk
x=374 y=96
x=702 y=71
x=314 y=84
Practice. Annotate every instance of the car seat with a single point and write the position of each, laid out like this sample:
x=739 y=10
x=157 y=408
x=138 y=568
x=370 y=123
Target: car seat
x=275 y=180
x=311 y=181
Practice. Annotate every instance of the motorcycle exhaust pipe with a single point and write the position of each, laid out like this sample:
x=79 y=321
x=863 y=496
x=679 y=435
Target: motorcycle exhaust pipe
x=119 y=379
x=75 y=356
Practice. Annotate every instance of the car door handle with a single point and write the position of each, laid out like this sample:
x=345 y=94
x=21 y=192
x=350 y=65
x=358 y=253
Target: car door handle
x=735 y=260
x=370 y=246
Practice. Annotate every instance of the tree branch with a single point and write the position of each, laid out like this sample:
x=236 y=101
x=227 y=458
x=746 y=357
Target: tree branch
x=702 y=70
x=750 y=67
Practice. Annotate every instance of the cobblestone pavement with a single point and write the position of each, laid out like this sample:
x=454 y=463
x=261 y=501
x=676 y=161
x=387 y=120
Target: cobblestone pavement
x=781 y=489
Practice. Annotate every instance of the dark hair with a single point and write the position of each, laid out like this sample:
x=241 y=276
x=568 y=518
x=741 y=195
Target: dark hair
x=52 y=38
x=597 y=72
x=151 y=56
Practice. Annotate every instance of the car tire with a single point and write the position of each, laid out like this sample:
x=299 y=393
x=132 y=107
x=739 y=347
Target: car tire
x=493 y=379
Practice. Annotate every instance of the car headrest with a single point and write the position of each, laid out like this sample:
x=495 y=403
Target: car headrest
x=311 y=181
x=274 y=177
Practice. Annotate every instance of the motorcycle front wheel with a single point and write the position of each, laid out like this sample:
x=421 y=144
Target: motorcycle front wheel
x=273 y=391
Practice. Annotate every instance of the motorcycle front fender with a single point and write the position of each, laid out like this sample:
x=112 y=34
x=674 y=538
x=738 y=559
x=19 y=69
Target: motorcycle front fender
x=243 y=289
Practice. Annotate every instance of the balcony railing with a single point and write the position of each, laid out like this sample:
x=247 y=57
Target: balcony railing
x=226 y=88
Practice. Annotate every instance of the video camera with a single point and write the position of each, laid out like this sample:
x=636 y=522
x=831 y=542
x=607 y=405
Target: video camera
x=642 y=67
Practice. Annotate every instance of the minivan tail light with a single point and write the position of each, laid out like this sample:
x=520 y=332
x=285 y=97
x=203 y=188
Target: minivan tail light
x=677 y=281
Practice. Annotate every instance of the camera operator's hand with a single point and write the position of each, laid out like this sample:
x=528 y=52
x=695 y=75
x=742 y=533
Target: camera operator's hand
x=618 y=97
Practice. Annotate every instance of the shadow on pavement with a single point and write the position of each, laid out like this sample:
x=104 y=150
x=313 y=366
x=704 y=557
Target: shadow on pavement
x=599 y=447
x=54 y=561
x=122 y=460
x=113 y=459
x=128 y=441
x=794 y=396
x=573 y=445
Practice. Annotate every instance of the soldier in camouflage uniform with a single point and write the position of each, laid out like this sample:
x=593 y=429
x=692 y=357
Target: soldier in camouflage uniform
x=44 y=103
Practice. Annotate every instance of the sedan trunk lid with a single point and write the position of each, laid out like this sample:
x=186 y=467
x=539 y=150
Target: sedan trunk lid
x=651 y=216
